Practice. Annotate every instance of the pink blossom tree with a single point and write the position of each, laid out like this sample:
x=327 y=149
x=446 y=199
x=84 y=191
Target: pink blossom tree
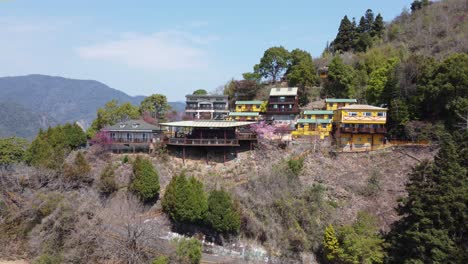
x=263 y=130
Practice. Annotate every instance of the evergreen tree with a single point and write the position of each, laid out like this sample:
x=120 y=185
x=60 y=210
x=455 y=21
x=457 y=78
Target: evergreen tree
x=344 y=40
x=368 y=21
x=378 y=26
x=184 y=200
x=341 y=78
x=331 y=245
x=222 y=214
x=12 y=150
x=107 y=184
x=145 y=181
x=433 y=226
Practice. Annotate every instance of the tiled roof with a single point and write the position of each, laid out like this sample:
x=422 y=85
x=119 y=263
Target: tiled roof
x=340 y=100
x=318 y=112
x=243 y=113
x=283 y=91
x=132 y=125
x=361 y=107
x=248 y=102
x=207 y=123
x=315 y=121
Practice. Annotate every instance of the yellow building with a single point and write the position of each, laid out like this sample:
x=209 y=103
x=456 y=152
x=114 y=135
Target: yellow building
x=248 y=106
x=314 y=123
x=335 y=103
x=244 y=116
x=360 y=127
x=247 y=111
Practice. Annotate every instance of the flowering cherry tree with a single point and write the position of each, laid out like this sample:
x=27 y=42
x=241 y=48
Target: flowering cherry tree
x=263 y=130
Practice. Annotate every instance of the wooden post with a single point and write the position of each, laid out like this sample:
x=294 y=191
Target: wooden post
x=224 y=137
x=352 y=141
x=224 y=149
x=206 y=157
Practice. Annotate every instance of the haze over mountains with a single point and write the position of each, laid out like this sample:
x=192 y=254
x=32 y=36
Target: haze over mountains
x=31 y=102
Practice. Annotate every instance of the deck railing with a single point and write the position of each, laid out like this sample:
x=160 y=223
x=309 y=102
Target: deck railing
x=203 y=142
x=246 y=136
x=131 y=140
x=380 y=130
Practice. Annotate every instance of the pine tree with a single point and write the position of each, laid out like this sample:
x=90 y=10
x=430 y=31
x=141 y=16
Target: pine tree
x=433 y=226
x=185 y=200
x=222 y=214
x=378 y=26
x=145 y=181
x=345 y=38
x=330 y=243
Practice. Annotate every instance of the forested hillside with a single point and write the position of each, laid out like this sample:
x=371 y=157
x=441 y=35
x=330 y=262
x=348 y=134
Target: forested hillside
x=57 y=99
x=295 y=202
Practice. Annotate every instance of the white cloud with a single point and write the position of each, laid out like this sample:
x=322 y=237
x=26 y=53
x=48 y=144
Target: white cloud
x=167 y=50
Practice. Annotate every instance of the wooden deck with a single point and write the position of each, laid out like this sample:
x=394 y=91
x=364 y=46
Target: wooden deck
x=203 y=142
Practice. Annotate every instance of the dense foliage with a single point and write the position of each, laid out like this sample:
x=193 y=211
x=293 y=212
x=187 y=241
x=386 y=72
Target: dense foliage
x=50 y=147
x=433 y=224
x=107 y=184
x=112 y=113
x=189 y=251
x=222 y=214
x=185 y=200
x=359 y=242
x=156 y=105
x=145 y=180
x=12 y=150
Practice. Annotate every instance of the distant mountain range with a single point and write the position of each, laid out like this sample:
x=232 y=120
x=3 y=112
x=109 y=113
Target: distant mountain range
x=31 y=102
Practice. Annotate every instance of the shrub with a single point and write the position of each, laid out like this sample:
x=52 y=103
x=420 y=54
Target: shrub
x=79 y=171
x=296 y=165
x=12 y=150
x=161 y=260
x=189 y=251
x=125 y=159
x=48 y=259
x=145 y=181
x=185 y=200
x=107 y=184
x=222 y=215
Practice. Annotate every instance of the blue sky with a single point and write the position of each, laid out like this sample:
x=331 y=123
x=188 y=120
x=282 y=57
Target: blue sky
x=169 y=47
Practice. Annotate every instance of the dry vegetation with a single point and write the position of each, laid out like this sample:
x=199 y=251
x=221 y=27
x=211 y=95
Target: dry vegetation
x=44 y=215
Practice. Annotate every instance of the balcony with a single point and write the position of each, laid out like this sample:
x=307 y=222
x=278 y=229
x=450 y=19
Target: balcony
x=131 y=140
x=278 y=100
x=246 y=136
x=364 y=130
x=202 y=142
x=294 y=110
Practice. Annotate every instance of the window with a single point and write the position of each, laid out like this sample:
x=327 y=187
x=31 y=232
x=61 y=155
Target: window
x=369 y=140
x=330 y=116
x=282 y=99
x=352 y=114
x=382 y=114
x=367 y=114
x=275 y=106
x=290 y=106
x=113 y=135
x=359 y=139
x=324 y=125
x=330 y=105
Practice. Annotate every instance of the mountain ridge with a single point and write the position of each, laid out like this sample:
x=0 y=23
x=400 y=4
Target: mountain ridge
x=56 y=98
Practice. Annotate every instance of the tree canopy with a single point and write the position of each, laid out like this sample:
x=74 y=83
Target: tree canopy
x=112 y=113
x=273 y=64
x=145 y=180
x=156 y=105
x=200 y=92
x=12 y=150
x=222 y=214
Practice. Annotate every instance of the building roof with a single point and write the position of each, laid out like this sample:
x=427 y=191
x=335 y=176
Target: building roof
x=207 y=123
x=284 y=91
x=207 y=95
x=243 y=114
x=314 y=121
x=318 y=112
x=340 y=100
x=135 y=125
x=361 y=107
x=248 y=102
